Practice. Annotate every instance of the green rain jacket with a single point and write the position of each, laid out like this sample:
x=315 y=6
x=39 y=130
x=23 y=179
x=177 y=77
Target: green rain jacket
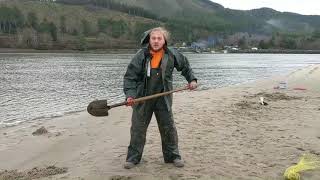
x=135 y=78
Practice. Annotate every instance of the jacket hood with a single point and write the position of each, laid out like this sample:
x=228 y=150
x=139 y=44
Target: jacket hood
x=146 y=37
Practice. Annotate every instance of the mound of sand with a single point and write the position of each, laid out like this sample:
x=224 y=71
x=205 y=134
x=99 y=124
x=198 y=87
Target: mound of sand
x=31 y=174
x=275 y=96
x=40 y=131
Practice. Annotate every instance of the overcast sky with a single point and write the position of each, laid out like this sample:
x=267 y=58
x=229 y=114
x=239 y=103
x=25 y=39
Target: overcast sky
x=307 y=7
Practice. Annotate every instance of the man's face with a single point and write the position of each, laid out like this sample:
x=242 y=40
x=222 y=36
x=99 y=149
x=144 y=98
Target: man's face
x=156 y=40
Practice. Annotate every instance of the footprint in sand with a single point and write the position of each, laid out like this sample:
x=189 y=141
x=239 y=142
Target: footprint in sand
x=313 y=70
x=117 y=122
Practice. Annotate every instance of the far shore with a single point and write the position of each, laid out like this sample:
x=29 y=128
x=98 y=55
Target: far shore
x=93 y=51
x=277 y=51
x=134 y=50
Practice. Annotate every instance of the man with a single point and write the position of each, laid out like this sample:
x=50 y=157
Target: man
x=150 y=72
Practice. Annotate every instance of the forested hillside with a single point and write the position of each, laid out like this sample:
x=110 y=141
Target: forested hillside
x=104 y=24
x=47 y=25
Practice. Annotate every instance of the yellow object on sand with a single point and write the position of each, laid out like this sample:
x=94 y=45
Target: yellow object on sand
x=307 y=162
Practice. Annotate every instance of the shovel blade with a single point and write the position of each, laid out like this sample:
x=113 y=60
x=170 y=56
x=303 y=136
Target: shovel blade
x=98 y=108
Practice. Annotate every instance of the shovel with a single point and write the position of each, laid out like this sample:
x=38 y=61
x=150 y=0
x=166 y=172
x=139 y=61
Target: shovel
x=101 y=107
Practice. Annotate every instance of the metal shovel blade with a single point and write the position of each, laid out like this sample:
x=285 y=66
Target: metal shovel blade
x=98 y=108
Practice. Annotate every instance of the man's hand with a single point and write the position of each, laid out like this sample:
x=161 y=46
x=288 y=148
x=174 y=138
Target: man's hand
x=130 y=101
x=193 y=85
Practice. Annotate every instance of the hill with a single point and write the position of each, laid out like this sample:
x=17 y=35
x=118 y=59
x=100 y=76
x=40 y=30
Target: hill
x=48 y=25
x=262 y=19
x=100 y=24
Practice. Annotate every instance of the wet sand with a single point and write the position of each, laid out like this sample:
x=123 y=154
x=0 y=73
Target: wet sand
x=223 y=134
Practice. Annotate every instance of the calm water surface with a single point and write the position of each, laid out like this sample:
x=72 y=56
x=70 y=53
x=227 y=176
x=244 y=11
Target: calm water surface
x=41 y=86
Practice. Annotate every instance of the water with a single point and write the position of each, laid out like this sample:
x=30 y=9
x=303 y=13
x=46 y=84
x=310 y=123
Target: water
x=41 y=86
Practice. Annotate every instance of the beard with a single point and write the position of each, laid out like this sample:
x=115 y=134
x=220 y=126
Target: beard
x=156 y=48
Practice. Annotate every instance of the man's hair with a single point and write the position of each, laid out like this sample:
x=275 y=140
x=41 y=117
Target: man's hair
x=165 y=33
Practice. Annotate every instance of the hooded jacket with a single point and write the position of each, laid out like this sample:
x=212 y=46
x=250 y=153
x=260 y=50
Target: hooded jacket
x=135 y=78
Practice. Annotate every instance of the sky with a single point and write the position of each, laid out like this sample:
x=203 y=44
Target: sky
x=306 y=7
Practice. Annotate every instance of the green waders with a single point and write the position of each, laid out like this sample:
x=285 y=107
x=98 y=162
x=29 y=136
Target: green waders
x=141 y=118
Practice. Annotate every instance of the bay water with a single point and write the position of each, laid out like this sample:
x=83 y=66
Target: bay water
x=36 y=86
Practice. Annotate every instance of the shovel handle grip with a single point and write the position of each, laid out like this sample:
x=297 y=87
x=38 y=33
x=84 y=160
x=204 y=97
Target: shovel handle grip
x=117 y=104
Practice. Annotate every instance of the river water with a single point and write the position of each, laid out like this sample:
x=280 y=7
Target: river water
x=45 y=85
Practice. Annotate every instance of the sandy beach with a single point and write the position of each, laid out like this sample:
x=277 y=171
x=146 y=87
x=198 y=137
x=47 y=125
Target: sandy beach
x=223 y=134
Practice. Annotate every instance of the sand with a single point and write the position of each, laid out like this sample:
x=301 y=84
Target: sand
x=223 y=134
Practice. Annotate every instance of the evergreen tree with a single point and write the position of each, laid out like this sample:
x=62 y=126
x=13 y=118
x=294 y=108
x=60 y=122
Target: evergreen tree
x=32 y=20
x=48 y=27
x=85 y=27
x=118 y=28
x=63 y=27
x=10 y=19
x=102 y=24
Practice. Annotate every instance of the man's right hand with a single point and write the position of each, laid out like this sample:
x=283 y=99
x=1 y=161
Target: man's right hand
x=192 y=85
x=130 y=101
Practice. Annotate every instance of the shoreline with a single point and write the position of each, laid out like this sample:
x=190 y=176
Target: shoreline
x=276 y=51
x=134 y=50
x=74 y=112
x=224 y=133
x=97 y=51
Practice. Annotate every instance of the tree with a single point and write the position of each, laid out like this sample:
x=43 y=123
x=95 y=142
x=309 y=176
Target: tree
x=63 y=28
x=32 y=20
x=118 y=28
x=316 y=34
x=28 y=37
x=75 y=32
x=243 y=44
x=82 y=43
x=102 y=24
x=11 y=19
x=53 y=31
x=48 y=27
x=263 y=45
x=272 y=42
x=85 y=27
x=288 y=43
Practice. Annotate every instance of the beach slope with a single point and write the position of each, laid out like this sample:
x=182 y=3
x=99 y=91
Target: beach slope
x=223 y=133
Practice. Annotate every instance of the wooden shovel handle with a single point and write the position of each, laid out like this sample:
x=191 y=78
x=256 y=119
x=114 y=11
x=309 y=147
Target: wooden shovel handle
x=142 y=99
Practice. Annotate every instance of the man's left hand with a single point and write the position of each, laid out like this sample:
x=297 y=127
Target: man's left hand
x=193 y=85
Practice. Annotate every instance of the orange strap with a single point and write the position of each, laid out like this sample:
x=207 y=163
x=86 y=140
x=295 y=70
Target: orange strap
x=156 y=58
